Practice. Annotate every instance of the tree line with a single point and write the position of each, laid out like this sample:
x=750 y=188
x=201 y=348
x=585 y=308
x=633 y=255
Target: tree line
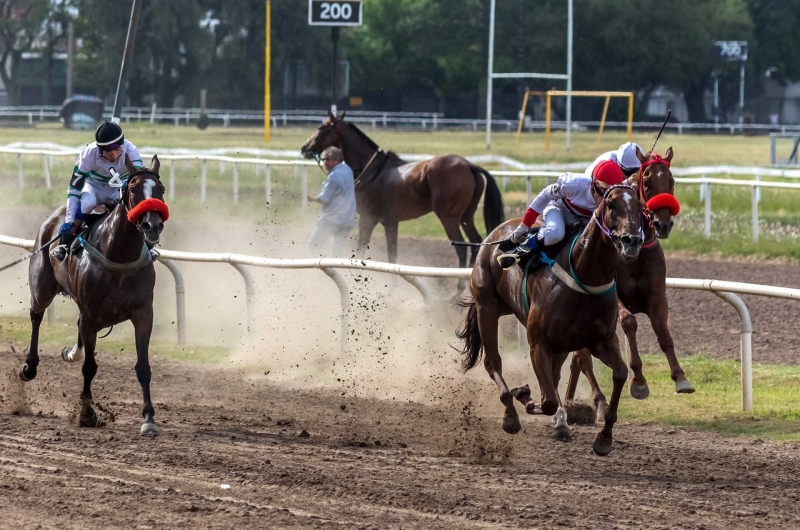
x=435 y=48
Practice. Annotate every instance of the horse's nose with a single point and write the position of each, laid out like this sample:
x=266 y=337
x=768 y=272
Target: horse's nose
x=146 y=226
x=160 y=227
x=631 y=240
x=658 y=225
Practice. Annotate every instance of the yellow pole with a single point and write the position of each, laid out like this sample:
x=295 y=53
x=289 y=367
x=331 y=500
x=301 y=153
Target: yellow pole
x=547 y=122
x=522 y=114
x=267 y=92
x=630 y=117
x=603 y=119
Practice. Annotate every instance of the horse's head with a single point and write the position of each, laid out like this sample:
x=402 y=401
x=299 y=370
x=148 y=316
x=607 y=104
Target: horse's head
x=144 y=200
x=329 y=133
x=657 y=191
x=619 y=216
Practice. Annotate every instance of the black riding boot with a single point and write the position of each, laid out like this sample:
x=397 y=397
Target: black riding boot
x=60 y=252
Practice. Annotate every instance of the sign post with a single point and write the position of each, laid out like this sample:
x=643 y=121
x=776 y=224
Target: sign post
x=734 y=51
x=334 y=14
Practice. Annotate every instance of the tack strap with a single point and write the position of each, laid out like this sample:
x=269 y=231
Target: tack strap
x=95 y=254
x=368 y=164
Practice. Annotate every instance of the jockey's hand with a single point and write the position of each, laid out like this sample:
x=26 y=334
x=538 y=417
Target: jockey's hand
x=65 y=229
x=520 y=233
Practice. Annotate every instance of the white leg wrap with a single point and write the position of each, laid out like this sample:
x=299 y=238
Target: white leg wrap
x=560 y=417
x=74 y=355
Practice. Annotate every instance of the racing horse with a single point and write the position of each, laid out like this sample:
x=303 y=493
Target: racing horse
x=641 y=283
x=565 y=314
x=111 y=281
x=389 y=190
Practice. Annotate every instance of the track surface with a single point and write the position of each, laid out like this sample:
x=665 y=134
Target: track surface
x=364 y=463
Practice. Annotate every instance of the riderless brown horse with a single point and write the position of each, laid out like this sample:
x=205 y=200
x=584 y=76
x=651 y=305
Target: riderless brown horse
x=565 y=313
x=111 y=281
x=641 y=283
x=389 y=190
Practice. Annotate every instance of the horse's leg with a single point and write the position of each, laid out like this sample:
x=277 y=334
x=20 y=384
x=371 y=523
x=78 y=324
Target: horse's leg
x=658 y=311
x=76 y=352
x=28 y=370
x=639 y=388
x=88 y=335
x=543 y=367
x=366 y=225
x=582 y=363
x=488 y=321
x=453 y=231
x=142 y=320
x=608 y=353
x=560 y=418
x=468 y=224
x=391 y=240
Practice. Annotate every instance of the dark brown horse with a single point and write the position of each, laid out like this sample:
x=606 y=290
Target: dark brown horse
x=641 y=284
x=389 y=190
x=111 y=281
x=561 y=319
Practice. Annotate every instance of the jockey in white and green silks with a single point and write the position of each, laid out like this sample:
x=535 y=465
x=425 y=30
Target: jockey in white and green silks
x=98 y=176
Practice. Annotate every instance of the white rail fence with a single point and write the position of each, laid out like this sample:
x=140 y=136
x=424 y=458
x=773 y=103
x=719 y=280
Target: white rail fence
x=726 y=290
x=301 y=166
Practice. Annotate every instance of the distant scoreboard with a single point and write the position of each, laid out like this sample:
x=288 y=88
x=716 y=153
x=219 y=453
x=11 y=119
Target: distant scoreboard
x=325 y=13
x=732 y=50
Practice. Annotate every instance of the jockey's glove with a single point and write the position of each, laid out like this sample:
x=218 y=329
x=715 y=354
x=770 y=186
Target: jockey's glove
x=520 y=233
x=66 y=229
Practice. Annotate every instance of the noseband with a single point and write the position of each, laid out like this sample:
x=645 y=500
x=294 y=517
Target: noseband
x=147 y=205
x=601 y=223
x=662 y=200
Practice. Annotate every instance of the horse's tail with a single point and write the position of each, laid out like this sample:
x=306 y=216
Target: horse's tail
x=493 y=214
x=470 y=335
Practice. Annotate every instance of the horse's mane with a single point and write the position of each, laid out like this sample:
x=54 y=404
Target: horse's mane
x=390 y=156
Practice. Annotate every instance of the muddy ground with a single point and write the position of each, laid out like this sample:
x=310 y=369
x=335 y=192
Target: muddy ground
x=243 y=452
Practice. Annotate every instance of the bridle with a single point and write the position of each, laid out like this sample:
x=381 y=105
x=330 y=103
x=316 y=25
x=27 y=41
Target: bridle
x=322 y=134
x=147 y=205
x=658 y=201
x=601 y=222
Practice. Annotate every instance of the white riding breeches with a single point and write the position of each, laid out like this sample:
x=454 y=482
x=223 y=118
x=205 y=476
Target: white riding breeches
x=556 y=216
x=91 y=196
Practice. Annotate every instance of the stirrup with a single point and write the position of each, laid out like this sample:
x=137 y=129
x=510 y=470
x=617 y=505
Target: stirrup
x=60 y=252
x=508 y=260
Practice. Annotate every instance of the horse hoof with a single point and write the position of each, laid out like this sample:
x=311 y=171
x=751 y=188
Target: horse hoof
x=149 y=429
x=26 y=377
x=601 y=446
x=88 y=420
x=549 y=407
x=640 y=391
x=72 y=355
x=511 y=424
x=530 y=408
x=684 y=387
x=563 y=434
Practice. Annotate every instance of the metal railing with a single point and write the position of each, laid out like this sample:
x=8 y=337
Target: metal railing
x=726 y=290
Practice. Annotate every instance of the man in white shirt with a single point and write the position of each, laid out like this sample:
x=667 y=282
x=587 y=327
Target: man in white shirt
x=338 y=199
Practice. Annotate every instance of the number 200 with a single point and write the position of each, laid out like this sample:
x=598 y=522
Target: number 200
x=335 y=11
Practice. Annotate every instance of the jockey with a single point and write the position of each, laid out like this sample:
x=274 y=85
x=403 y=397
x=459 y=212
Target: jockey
x=98 y=176
x=625 y=157
x=569 y=200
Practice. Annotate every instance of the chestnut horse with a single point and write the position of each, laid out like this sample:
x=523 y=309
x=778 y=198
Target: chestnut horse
x=389 y=190
x=565 y=314
x=111 y=281
x=641 y=283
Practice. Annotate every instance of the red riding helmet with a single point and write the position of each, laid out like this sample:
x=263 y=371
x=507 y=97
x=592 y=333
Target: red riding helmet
x=608 y=172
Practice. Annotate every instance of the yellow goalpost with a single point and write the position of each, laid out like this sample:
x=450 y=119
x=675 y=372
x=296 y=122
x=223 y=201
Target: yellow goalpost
x=580 y=93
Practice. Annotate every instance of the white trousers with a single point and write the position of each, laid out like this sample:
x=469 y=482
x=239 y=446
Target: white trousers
x=91 y=196
x=556 y=216
x=324 y=231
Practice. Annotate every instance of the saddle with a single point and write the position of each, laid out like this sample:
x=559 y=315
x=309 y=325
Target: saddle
x=91 y=220
x=532 y=260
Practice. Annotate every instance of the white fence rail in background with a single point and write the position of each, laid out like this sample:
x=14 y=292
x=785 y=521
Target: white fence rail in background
x=525 y=171
x=726 y=290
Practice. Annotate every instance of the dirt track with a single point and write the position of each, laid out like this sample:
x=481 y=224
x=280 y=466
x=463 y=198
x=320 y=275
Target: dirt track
x=364 y=463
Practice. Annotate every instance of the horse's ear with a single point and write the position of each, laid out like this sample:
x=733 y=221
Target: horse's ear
x=599 y=187
x=641 y=156
x=341 y=116
x=331 y=116
x=155 y=164
x=668 y=155
x=129 y=164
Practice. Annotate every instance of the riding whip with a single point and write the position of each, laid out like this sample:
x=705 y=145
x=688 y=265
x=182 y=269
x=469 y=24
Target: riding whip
x=29 y=255
x=469 y=244
x=669 y=113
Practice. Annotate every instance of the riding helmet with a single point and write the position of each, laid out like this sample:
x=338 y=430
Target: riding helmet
x=108 y=136
x=608 y=172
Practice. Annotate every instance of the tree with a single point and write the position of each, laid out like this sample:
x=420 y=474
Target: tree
x=20 y=25
x=776 y=38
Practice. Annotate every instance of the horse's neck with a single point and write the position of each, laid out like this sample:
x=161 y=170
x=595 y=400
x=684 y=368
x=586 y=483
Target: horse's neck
x=357 y=153
x=594 y=257
x=118 y=239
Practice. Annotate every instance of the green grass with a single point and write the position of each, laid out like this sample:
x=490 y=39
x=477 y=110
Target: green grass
x=17 y=331
x=717 y=404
